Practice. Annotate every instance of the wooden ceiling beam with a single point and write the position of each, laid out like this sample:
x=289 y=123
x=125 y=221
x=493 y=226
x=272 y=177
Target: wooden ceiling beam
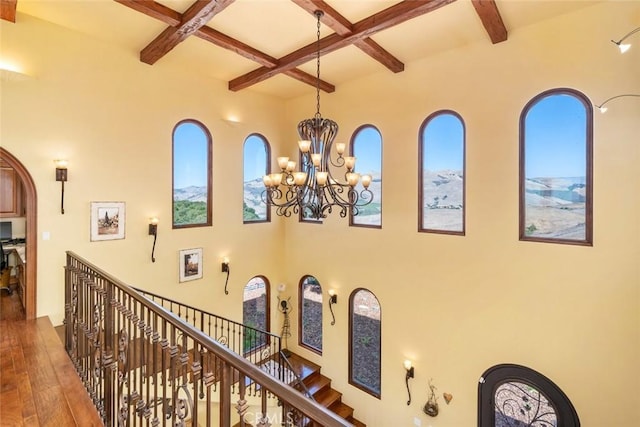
x=341 y=25
x=367 y=27
x=171 y=17
x=198 y=14
x=8 y=10
x=491 y=19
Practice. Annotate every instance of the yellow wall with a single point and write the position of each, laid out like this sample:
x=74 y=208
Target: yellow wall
x=454 y=305
x=112 y=117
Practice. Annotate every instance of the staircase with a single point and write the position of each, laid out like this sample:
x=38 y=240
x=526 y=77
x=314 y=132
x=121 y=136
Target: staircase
x=319 y=386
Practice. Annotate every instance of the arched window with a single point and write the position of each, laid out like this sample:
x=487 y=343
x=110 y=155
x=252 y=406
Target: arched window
x=556 y=146
x=441 y=177
x=310 y=312
x=255 y=313
x=514 y=395
x=191 y=174
x=257 y=163
x=366 y=146
x=365 y=341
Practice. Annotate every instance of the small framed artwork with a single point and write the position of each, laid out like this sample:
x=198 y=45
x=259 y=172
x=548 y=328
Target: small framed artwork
x=107 y=221
x=190 y=264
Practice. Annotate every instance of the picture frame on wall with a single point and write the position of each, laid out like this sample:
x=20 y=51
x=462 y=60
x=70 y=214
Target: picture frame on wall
x=107 y=221
x=190 y=266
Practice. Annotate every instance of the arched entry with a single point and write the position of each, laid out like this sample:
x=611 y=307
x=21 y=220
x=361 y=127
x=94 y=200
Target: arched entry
x=31 y=231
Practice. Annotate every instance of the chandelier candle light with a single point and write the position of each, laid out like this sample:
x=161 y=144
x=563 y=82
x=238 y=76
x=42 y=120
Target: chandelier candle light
x=314 y=191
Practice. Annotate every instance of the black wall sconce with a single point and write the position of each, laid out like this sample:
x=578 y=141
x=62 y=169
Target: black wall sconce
x=153 y=231
x=333 y=299
x=61 y=176
x=410 y=374
x=226 y=269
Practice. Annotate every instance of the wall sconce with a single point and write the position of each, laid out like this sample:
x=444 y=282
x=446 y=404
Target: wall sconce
x=333 y=299
x=410 y=374
x=625 y=46
x=61 y=176
x=153 y=231
x=226 y=269
x=603 y=109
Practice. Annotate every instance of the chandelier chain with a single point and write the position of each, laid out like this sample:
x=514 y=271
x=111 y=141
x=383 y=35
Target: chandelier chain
x=319 y=14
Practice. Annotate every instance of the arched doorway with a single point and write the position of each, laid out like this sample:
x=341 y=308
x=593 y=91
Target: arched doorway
x=31 y=230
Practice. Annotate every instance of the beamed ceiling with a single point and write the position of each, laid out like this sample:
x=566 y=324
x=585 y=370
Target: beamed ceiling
x=270 y=45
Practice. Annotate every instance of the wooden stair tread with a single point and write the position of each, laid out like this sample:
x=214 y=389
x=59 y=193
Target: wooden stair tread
x=317 y=383
x=327 y=397
x=302 y=367
x=342 y=410
x=356 y=423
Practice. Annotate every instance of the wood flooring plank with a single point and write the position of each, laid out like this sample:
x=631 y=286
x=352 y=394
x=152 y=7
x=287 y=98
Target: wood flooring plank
x=26 y=397
x=52 y=408
x=39 y=385
x=8 y=376
x=76 y=395
x=10 y=411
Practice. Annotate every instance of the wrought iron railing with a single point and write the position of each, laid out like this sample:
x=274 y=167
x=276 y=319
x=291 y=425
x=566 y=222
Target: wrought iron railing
x=144 y=366
x=259 y=347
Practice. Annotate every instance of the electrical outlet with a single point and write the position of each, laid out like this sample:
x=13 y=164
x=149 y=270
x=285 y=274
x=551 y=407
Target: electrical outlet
x=417 y=421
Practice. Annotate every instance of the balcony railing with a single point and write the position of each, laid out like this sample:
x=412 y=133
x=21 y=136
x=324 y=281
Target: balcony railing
x=144 y=366
x=257 y=346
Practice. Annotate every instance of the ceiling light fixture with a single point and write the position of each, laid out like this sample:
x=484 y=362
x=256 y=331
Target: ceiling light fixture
x=602 y=107
x=313 y=192
x=625 y=46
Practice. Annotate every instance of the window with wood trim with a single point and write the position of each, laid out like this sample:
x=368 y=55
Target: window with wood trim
x=365 y=342
x=366 y=146
x=255 y=313
x=441 y=174
x=257 y=163
x=513 y=395
x=310 y=312
x=191 y=174
x=556 y=162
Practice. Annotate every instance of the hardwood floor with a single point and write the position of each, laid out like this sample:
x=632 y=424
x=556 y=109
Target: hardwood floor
x=38 y=383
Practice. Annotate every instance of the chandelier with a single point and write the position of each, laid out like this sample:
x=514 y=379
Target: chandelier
x=315 y=190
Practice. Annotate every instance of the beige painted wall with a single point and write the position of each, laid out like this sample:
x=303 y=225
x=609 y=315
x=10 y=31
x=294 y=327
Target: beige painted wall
x=459 y=305
x=112 y=117
x=454 y=305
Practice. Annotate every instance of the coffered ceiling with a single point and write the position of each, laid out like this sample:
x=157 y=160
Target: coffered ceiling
x=270 y=45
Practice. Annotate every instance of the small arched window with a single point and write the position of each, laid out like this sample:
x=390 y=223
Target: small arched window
x=514 y=395
x=310 y=312
x=191 y=174
x=257 y=163
x=255 y=313
x=366 y=146
x=365 y=341
x=556 y=146
x=441 y=178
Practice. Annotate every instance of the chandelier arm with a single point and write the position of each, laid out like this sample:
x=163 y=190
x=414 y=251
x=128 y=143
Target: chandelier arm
x=339 y=162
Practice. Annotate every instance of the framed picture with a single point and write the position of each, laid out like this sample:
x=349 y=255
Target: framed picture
x=190 y=264
x=107 y=221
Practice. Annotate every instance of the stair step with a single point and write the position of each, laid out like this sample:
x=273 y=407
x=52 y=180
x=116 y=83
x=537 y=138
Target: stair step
x=317 y=383
x=327 y=397
x=342 y=410
x=356 y=423
x=302 y=367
